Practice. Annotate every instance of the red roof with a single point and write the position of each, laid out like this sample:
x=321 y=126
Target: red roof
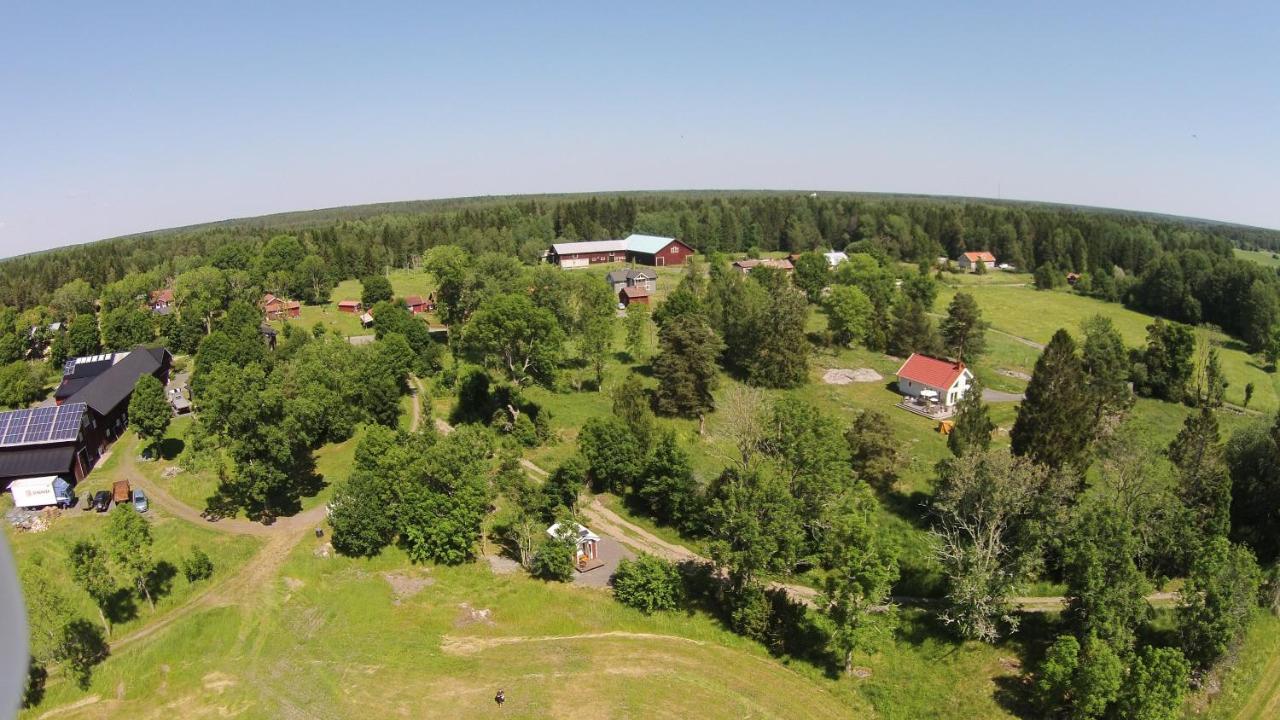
x=930 y=371
x=291 y=304
x=635 y=292
x=349 y=303
x=164 y=296
x=983 y=255
x=413 y=300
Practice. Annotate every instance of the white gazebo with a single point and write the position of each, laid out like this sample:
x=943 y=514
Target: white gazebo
x=587 y=543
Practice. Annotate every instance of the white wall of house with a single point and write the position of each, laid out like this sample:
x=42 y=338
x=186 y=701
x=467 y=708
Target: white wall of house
x=946 y=396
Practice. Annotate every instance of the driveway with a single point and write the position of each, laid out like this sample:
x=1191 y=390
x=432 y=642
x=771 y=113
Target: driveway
x=610 y=552
x=999 y=396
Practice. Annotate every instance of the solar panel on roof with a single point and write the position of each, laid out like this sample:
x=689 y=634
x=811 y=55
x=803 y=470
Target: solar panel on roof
x=66 y=426
x=40 y=425
x=17 y=426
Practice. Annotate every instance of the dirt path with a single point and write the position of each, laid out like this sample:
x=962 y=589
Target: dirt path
x=415 y=391
x=466 y=645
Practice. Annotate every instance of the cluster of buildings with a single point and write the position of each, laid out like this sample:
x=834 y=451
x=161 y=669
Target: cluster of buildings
x=65 y=439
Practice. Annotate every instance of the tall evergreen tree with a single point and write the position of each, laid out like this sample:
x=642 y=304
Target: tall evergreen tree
x=913 y=331
x=686 y=368
x=1204 y=480
x=1107 y=369
x=963 y=330
x=973 y=427
x=1049 y=428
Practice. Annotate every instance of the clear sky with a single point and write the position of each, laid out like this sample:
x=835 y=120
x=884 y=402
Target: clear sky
x=124 y=117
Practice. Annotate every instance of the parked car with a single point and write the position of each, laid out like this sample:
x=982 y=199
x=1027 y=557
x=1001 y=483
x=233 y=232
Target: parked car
x=102 y=501
x=140 y=501
x=121 y=492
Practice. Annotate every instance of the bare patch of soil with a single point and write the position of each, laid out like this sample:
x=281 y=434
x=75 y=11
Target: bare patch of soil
x=404 y=586
x=844 y=376
x=468 y=615
x=1016 y=374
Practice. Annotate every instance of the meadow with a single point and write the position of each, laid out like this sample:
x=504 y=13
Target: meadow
x=1265 y=258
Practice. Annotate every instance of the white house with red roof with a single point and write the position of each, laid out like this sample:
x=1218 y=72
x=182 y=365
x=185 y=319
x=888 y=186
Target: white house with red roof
x=970 y=260
x=929 y=378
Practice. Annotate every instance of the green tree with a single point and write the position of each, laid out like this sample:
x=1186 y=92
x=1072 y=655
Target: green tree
x=1048 y=277
x=992 y=514
x=913 y=331
x=963 y=330
x=203 y=292
x=612 y=453
x=1106 y=593
x=648 y=584
x=668 y=486
x=849 y=314
x=1156 y=685
x=20 y=384
x=126 y=327
x=57 y=635
x=973 y=425
x=686 y=368
x=1217 y=599
x=314 y=280
x=1204 y=482
x=637 y=328
x=442 y=504
x=561 y=490
x=1167 y=361
x=129 y=540
x=1253 y=457
x=631 y=405
x=511 y=334
x=149 y=411
x=873 y=450
x=595 y=345
x=554 y=560
x=1048 y=428
x=811 y=274
x=1107 y=369
x=861 y=572
x=1079 y=680
x=753 y=524
x=197 y=566
x=375 y=289
x=82 y=336
x=76 y=297
x=779 y=354
x=86 y=561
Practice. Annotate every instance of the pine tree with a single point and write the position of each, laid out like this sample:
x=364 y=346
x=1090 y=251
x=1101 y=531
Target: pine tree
x=973 y=426
x=963 y=330
x=1204 y=482
x=1049 y=428
x=913 y=331
x=1107 y=369
x=686 y=367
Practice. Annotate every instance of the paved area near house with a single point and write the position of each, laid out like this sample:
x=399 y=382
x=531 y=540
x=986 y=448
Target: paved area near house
x=997 y=396
x=610 y=552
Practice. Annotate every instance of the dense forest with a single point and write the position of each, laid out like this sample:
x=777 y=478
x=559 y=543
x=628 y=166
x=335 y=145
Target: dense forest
x=1180 y=268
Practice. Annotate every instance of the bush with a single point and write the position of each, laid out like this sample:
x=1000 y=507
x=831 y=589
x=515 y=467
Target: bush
x=554 y=561
x=648 y=584
x=197 y=566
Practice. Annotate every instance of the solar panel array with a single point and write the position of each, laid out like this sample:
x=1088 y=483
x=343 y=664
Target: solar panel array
x=41 y=425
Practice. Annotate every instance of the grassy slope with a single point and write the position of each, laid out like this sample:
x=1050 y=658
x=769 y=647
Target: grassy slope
x=334 y=641
x=1036 y=315
x=1262 y=257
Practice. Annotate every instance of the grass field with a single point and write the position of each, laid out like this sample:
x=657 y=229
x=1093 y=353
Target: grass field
x=403 y=282
x=1036 y=315
x=1265 y=258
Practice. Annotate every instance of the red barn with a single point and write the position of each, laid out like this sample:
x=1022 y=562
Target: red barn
x=415 y=304
x=349 y=306
x=655 y=250
x=641 y=249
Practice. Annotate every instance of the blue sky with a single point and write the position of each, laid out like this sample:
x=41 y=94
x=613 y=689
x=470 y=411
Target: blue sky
x=118 y=119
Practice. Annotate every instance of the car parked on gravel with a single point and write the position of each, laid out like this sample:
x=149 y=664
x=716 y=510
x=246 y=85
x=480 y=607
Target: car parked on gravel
x=140 y=501
x=102 y=501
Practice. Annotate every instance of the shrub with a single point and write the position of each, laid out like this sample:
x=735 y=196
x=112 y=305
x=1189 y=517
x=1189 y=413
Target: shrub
x=197 y=566
x=648 y=584
x=554 y=561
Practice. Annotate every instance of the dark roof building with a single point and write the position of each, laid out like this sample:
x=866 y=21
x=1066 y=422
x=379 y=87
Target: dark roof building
x=110 y=390
x=36 y=442
x=79 y=372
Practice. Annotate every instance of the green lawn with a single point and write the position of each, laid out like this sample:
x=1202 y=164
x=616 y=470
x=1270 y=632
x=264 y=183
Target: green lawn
x=174 y=540
x=1037 y=315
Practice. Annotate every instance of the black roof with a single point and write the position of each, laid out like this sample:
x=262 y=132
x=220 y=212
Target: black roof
x=34 y=461
x=76 y=375
x=113 y=387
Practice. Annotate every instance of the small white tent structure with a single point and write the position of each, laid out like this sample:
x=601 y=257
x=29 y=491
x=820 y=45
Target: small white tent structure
x=587 y=543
